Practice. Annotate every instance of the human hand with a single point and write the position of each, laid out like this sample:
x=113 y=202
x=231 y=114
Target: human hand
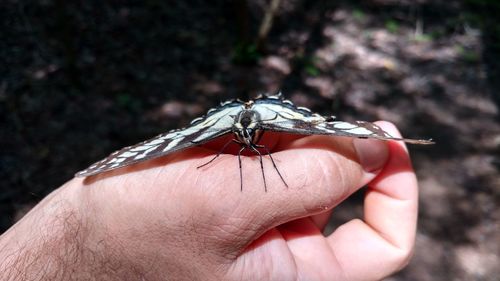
x=166 y=220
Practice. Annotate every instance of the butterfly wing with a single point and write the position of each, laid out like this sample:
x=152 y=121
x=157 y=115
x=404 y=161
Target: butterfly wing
x=357 y=129
x=282 y=116
x=216 y=123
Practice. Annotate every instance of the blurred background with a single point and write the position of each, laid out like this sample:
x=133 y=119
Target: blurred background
x=80 y=79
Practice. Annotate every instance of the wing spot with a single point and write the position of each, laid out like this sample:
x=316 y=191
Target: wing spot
x=304 y=108
x=140 y=148
x=172 y=144
x=359 y=131
x=196 y=120
x=117 y=160
x=154 y=142
x=226 y=102
x=344 y=125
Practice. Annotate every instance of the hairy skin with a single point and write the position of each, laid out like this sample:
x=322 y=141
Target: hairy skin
x=166 y=220
x=53 y=242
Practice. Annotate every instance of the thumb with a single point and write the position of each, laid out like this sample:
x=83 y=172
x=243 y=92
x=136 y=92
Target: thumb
x=321 y=171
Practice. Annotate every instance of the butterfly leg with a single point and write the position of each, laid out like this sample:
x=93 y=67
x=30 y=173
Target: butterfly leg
x=272 y=160
x=239 y=161
x=261 y=165
x=218 y=153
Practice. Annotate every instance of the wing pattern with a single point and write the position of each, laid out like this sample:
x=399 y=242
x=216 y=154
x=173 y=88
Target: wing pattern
x=281 y=115
x=216 y=123
x=274 y=114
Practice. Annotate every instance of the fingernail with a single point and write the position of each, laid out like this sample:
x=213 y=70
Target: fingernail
x=372 y=154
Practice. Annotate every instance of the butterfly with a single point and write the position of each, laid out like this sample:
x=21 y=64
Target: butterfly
x=247 y=121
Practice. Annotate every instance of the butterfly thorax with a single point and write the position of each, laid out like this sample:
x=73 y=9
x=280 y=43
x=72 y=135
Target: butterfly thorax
x=246 y=127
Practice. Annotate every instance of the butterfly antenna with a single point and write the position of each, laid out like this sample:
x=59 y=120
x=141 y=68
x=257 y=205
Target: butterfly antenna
x=261 y=167
x=241 y=174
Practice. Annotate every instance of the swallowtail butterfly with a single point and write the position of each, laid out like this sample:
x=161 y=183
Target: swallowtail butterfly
x=247 y=121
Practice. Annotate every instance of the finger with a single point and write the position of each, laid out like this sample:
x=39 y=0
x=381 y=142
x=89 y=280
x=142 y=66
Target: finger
x=322 y=219
x=391 y=203
x=320 y=171
x=383 y=243
x=307 y=244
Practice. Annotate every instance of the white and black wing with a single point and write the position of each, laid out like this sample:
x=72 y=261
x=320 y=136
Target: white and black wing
x=274 y=114
x=281 y=115
x=216 y=123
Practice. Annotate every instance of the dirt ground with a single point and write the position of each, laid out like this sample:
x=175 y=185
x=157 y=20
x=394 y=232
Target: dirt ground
x=81 y=80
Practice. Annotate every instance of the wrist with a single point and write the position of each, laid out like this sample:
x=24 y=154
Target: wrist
x=55 y=241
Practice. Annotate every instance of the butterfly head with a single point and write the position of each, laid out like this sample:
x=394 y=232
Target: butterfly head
x=246 y=127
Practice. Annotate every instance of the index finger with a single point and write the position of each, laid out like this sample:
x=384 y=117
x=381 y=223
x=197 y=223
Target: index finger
x=383 y=242
x=391 y=203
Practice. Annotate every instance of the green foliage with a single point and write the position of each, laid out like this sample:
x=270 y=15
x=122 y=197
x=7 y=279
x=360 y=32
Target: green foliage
x=245 y=54
x=392 y=26
x=125 y=100
x=467 y=55
x=358 y=15
x=312 y=70
x=310 y=66
x=424 y=37
x=437 y=34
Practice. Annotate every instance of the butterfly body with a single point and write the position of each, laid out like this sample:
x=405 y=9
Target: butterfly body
x=247 y=121
x=246 y=128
